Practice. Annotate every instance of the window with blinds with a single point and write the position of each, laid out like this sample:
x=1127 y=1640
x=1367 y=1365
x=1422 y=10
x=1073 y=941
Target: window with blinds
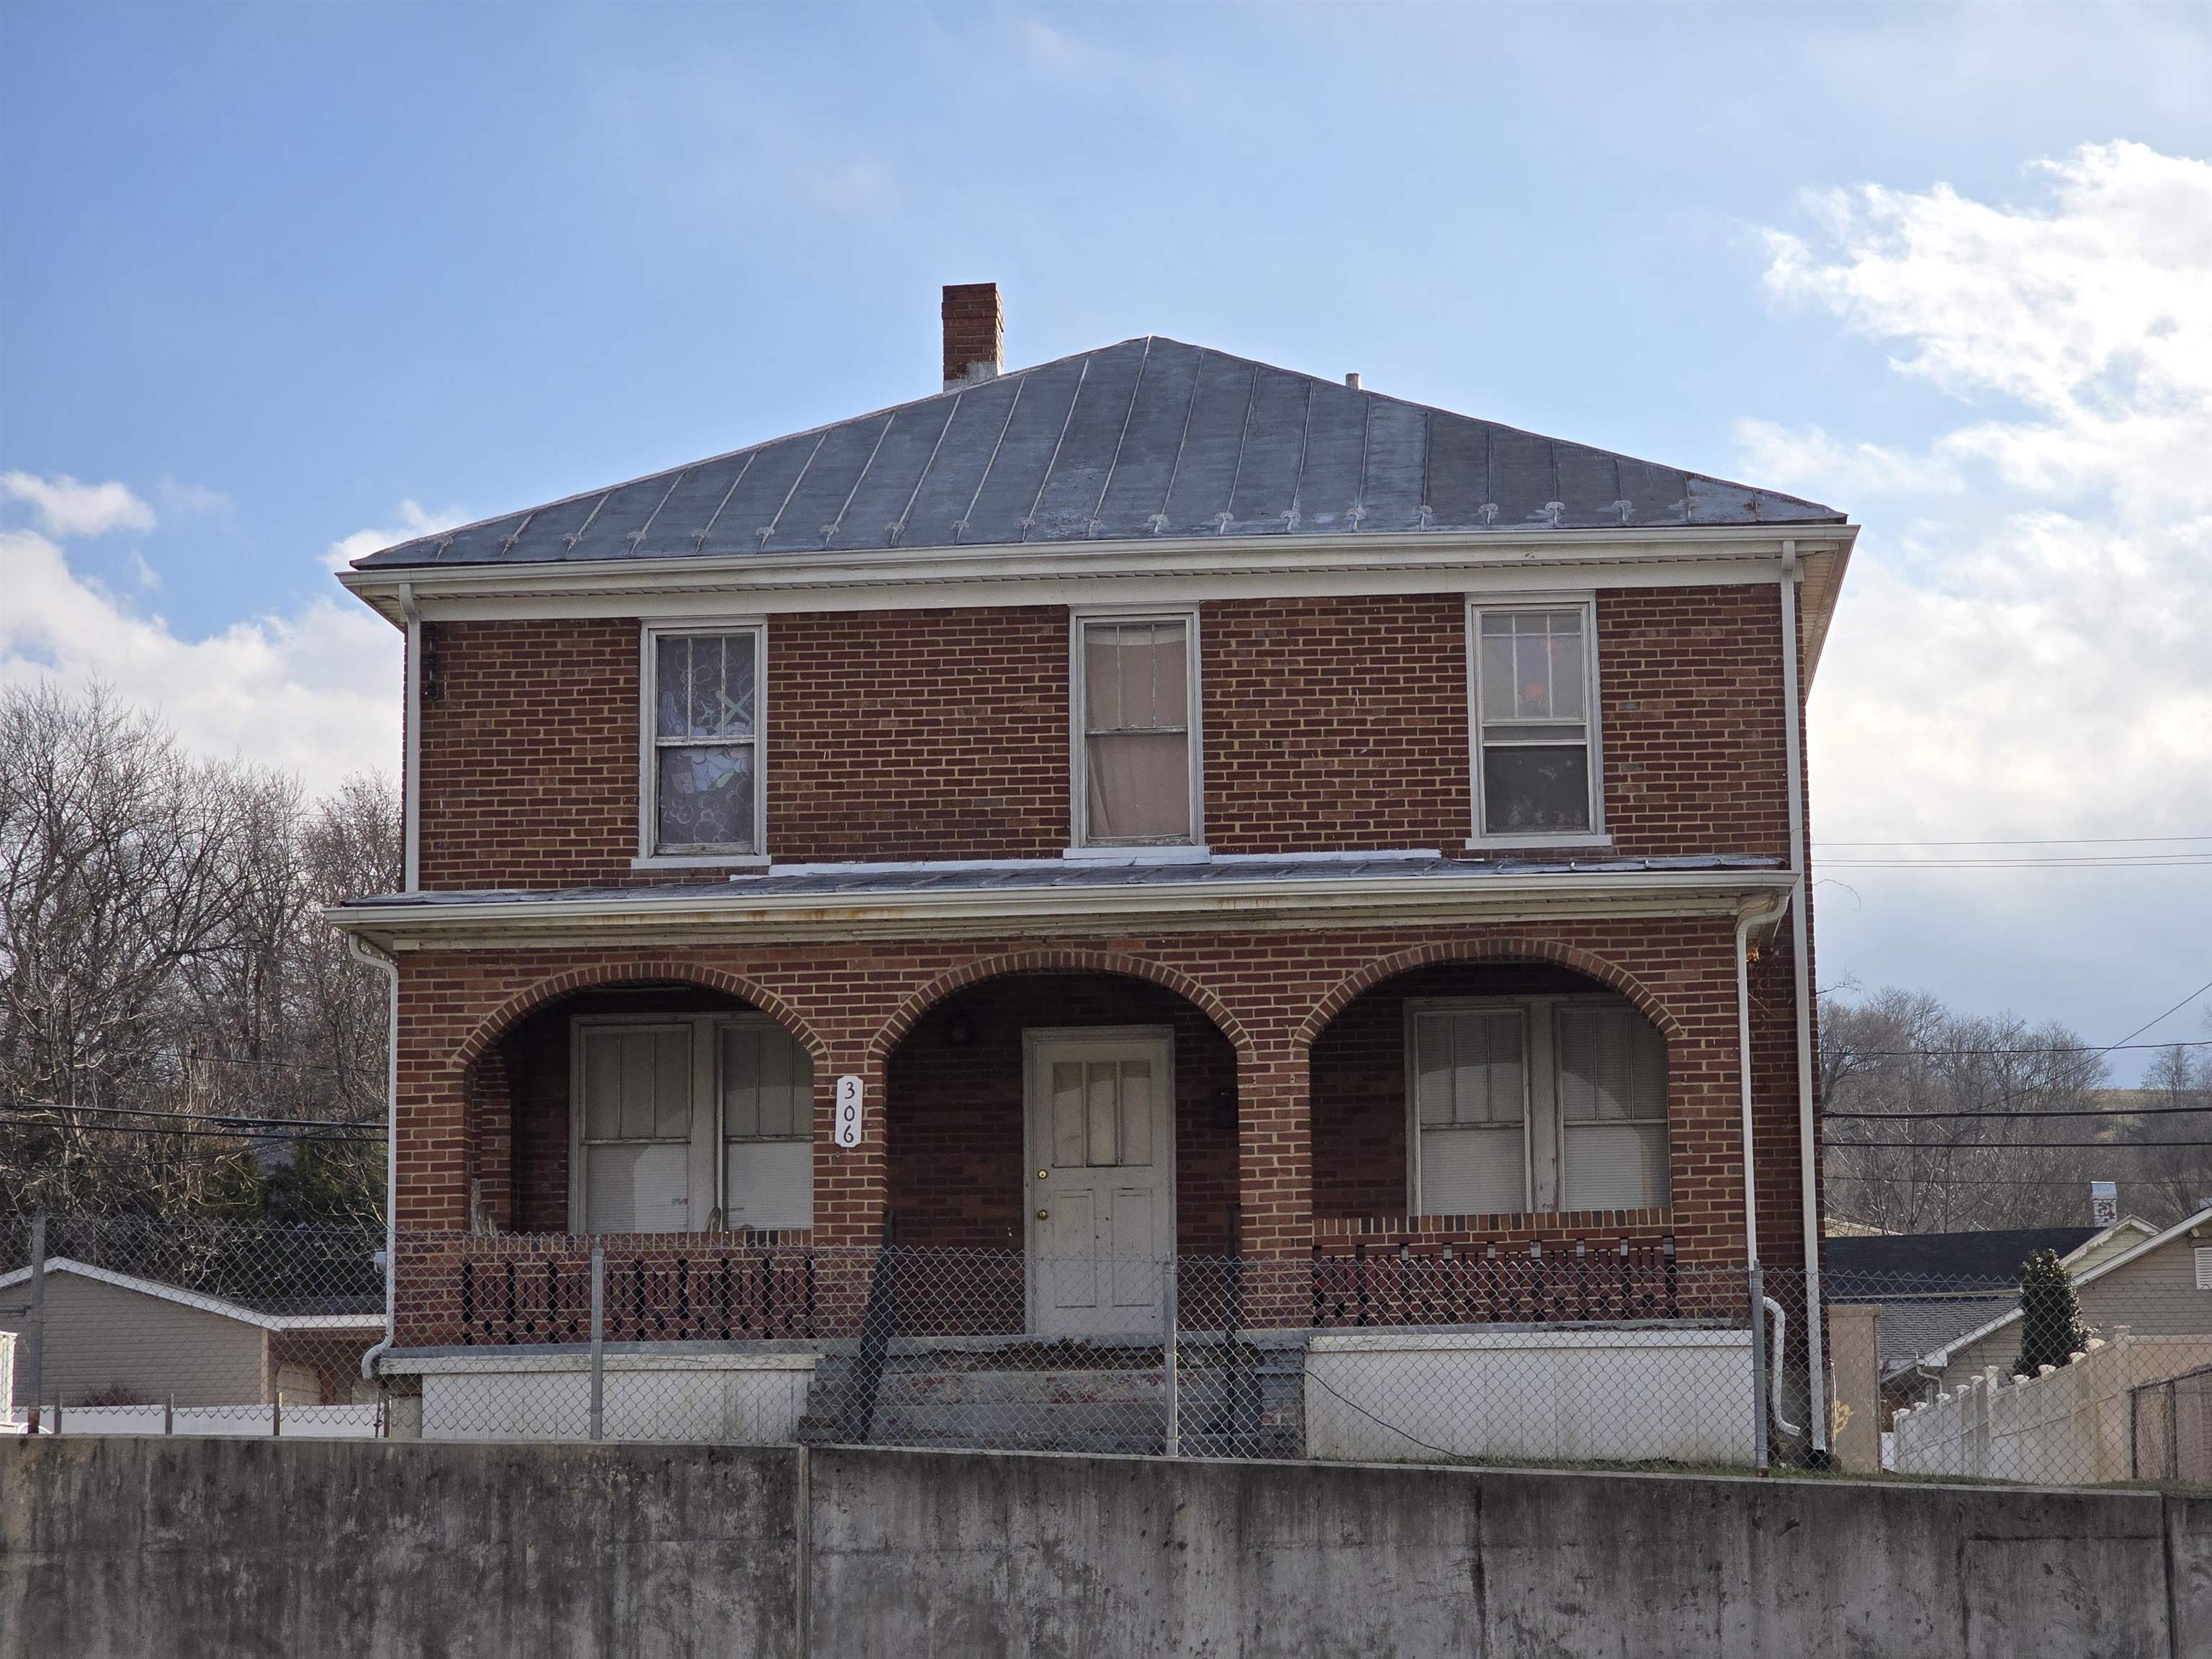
x=1534 y=1103
x=1534 y=692
x=1136 y=770
x=768 y=1127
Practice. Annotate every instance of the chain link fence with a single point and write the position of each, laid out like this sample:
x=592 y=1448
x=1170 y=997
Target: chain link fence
x=1597 y=1354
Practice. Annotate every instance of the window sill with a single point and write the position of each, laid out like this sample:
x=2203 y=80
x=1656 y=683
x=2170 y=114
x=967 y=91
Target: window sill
x=1141 y=855
x=701 y=861
x=1536 y=843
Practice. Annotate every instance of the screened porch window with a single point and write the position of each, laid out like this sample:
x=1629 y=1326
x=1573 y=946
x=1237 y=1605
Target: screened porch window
x=1137 y=768
x=703 y=771
x=767 y=1128
x=636 y=1133
x=1534 y=1103
x=1532 y=694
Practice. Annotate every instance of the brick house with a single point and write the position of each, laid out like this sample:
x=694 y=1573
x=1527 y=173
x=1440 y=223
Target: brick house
x=1150 y=804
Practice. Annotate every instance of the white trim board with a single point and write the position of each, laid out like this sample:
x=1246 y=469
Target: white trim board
x=214 y=1304
x=1105 y=574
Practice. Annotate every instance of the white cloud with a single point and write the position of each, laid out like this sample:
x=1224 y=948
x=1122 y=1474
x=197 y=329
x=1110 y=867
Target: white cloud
x=66 y=508
x=2031 y=654
x=2024 y=646
x=316 y=690
x=194 y=501
x=414 y=521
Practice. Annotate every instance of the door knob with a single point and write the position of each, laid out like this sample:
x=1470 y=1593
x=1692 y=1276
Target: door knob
x=1044 y=1215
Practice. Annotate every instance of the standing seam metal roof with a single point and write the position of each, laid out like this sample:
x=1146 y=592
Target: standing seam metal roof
x=1148 y=438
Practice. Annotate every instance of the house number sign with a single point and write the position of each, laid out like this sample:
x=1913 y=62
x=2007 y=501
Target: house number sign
x=847 y=1120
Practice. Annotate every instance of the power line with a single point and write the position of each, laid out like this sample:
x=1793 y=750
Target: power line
x=2060 y=1048
x=2176 y=1009
x=2145 y=862
x=223 y=1135
x=2009 y=1146
x=2021 y=1117
x=201 y=1117
x=2062 y=840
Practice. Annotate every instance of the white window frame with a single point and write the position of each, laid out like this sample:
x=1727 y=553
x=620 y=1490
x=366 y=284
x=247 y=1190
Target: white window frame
x=649 y=857
x=1478 y=606
x=709 y=1139
x=1544 y=1127
x=1080 y=845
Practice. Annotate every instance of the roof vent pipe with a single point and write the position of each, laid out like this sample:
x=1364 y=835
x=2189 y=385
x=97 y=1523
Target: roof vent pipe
x=974 y=333
x=1352 y=379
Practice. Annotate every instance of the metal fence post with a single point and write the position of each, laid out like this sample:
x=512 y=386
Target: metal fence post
x=1760 y=1405
x=35 y=1367
x=1170 y=1319
x=599 y=1340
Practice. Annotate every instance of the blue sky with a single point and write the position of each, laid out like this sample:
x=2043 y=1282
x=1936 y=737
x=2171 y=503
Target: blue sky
x=289 y=276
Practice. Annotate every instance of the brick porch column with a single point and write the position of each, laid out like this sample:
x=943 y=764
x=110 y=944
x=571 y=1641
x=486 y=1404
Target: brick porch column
x=1274 y=1153
x=851 y=1183
x=434 y=1149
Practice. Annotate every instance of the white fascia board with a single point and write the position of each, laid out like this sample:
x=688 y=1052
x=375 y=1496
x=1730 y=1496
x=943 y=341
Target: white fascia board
x=1304 y=903
x=213 y=1304
x=1163 y=572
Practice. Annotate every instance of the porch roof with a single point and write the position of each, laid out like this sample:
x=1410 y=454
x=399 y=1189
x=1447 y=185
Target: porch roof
x=1064 y=892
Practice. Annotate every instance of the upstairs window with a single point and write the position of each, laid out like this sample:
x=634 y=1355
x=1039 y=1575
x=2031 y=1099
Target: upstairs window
x=1137 y=770
x=1537 y=772
x=1534 y=1103
x=702 y=782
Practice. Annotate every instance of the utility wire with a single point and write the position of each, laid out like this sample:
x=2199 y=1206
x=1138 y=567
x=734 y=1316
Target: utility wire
x=2021 y=1117
x=201 y=1117
x=2074 y=841
x=2009 y=1146
x=2061 y=1048
x=223 y=1135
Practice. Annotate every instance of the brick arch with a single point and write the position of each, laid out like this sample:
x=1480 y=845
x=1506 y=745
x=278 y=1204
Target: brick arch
x=502 y=1019
x=1489 y=950
x=910 y=1011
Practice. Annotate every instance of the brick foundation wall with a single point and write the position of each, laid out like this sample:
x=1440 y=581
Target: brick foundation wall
x=1329 y=725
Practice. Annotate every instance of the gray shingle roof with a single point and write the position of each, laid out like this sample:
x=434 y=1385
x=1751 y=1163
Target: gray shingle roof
x=1147 y=438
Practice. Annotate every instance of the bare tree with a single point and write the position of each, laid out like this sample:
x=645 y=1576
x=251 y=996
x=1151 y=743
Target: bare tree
x=160 y=951
x=1941 y=1121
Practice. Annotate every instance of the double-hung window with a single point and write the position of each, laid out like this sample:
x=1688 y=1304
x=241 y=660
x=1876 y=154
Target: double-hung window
x=1534 y=1103
x=702 y=761
x=1536 y=767
x=1136 y=727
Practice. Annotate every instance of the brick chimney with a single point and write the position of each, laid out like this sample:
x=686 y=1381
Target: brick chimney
x=974 y=333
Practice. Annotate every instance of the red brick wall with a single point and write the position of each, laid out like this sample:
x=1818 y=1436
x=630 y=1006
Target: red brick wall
x=918 y=734
x=1330 y=724
x=529 y=753
x=853 y=1001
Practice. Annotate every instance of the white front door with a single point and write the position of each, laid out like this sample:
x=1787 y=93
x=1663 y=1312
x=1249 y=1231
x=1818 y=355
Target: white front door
x=1101 y=1178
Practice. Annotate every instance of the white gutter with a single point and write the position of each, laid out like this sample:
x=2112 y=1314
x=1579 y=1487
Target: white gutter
x=363 y=951
x=411 y=780
x=1801 y=949
x=725 y=910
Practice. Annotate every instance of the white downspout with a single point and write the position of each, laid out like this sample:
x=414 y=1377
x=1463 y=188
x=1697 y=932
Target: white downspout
x=411 y=780
x=1757 y=917
x=363 y=951
x=1801 y=942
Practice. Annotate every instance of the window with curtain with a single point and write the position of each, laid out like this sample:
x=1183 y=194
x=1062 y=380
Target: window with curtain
x=1533 y=696
x=705 y=768
x=768 y=1127
x=1534 y=1103
x=1136 y=724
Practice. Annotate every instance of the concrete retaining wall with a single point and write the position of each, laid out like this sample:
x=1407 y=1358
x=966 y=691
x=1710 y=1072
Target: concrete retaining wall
x=119 y=1548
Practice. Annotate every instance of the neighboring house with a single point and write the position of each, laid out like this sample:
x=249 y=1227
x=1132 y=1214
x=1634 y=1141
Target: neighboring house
x=1149 y=803
x=1934 y=1287
x=2152 y=1283
x=115 y=1339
